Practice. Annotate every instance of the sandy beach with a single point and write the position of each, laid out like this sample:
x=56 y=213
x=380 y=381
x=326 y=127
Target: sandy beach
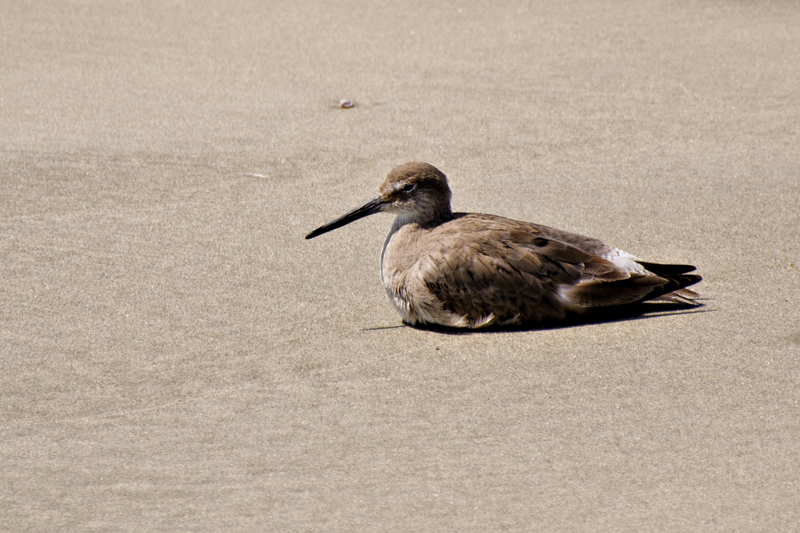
x=174 y=356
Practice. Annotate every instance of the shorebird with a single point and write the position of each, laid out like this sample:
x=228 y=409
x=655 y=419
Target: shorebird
x=471 y=270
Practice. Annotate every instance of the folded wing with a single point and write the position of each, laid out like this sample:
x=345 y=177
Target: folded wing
x=509 y=272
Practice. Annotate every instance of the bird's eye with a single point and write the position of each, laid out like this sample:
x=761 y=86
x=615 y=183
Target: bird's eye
x=409 y=187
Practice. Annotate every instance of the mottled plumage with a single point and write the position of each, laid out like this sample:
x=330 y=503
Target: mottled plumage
x=472 y=270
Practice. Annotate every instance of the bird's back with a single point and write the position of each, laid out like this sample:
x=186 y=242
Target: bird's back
x=474 y=270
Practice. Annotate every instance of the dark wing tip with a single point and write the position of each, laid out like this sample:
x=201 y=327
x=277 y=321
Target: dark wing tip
x=667 y=269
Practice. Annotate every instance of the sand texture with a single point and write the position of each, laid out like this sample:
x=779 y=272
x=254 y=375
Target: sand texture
x=174 y=356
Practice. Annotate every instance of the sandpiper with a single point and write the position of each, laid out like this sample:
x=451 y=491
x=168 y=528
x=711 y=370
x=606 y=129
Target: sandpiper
x=470 y=270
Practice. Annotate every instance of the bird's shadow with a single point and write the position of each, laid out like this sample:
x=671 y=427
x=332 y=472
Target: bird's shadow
x=607 y=315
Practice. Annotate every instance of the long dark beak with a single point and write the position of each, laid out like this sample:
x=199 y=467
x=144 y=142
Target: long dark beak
x=370 y=208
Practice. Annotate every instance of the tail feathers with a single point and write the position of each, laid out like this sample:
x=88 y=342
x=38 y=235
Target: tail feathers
x=636 y=289
x=675 y=290
x=667 y=270
x=681 y=296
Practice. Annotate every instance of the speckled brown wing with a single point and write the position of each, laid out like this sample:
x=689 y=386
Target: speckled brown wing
x=496 y=270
